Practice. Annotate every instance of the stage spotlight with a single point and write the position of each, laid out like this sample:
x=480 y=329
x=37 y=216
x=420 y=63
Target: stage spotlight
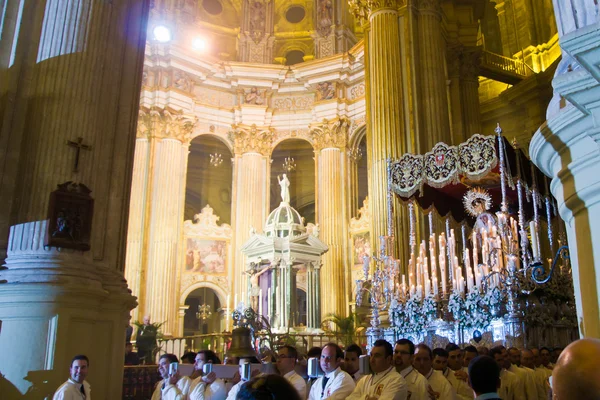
x=199 y=44
x=162 y=34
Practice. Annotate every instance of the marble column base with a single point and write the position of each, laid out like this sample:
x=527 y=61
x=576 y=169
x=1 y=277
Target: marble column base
x=55 y=304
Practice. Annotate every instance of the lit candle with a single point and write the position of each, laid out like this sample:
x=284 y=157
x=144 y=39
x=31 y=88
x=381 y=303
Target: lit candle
x=235 y=304
x=534 y=240
x=260 y=301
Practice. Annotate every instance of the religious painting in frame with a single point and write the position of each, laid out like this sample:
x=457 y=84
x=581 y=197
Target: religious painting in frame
x=70 y=213
x=205 y=256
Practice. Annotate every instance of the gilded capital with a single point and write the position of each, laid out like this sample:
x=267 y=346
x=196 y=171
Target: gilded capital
x=428 y=6
x=362 y=9
x=330 y=134
x=251 y=139
x=470 y=64
x=163 y=123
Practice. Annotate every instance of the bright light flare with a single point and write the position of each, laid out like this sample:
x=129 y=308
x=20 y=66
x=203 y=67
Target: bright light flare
x=199 y=44
x=162 y=34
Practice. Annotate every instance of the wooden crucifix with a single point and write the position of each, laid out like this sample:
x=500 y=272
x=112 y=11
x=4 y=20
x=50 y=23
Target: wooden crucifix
x=78 y=145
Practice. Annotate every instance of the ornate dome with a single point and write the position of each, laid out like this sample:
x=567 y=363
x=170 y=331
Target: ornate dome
x=284 y=221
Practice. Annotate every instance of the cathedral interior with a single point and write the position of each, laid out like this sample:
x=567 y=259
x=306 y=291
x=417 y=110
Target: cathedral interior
x=169 y=125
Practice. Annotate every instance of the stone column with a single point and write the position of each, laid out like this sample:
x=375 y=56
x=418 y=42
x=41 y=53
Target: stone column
x=469 y=91
x=167 y=136
x=386 y=135
x=454 y=91
x=435 y=124
x=252 y=147
x=70 y=71
x=566 y=148
x=330 y=138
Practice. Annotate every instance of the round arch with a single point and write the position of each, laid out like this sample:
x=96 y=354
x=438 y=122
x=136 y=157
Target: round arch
x=357 y=135
x=222 y=139
x=283 y=139
x=221 y=294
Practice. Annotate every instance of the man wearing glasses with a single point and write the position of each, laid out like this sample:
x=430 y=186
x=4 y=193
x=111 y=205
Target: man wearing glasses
x=335 y=384
x=286 y=364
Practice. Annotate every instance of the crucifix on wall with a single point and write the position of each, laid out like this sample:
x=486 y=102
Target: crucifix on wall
x=78 y=145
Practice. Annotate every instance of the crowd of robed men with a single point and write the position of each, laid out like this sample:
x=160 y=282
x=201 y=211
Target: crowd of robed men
x=399 y=372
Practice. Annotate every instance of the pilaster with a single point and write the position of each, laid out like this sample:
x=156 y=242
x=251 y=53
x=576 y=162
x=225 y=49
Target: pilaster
x=432 y=80
x=156 y=212
x=252 y=148
x=330 y=139
x=386 y=133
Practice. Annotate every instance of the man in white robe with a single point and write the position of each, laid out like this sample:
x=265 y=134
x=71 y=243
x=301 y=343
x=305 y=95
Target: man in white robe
x=351 y=361
x=440 y=387
x=172 y=386
x=286 y=365
x=385 y=383
x=206 y=386
x=404 y=352
x=456 y=374
x=335 y=384
x=76 y=387
x=528 y=364
x=510 y=385
x=513 y=364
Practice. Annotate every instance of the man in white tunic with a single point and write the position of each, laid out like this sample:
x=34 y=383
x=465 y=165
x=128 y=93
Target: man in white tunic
x=513 y=364
x=576 y=374
x=335 y=384
x=404 y=352
x=510 y=385
x=206 y=386
x=172 y=386
x=441 y=388
x=351 y=361
x=286 y=365
x=454 y=371
x=528 y=364
x=76 y=387
x=385 y=383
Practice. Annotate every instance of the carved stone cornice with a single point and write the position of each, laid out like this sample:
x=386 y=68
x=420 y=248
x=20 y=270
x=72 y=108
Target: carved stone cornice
x=330 y=134
x=251 y=139
x=362 y=9
x=163 y=123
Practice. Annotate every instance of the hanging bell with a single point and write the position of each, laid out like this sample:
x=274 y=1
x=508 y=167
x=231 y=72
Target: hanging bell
x=241 y=344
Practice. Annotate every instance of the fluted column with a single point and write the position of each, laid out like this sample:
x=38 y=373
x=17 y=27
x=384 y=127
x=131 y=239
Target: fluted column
x=386 y=135
x=167 y=138
x=435 y=126
x=71 y=72
x=330 y=139
x=469 y=91
x=135 y=228
x=252 y=146
x=454 y=89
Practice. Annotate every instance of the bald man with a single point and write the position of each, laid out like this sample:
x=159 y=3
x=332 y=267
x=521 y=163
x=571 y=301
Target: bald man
x=576 y=374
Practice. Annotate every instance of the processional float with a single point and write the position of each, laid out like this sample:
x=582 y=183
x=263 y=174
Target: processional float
x=484 y=276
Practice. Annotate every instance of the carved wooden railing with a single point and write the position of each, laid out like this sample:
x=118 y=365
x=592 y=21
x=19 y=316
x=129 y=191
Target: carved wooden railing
x=139 y=381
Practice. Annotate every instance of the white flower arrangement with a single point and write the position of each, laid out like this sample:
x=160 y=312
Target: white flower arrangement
x=475 y=311
x=414 y=315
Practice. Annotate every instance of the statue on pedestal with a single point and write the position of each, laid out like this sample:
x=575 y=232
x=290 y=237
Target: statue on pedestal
x=285 y=188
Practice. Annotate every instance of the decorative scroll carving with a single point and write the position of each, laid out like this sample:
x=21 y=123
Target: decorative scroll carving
x=363 y=221
x=214 y=97
x=331 y=134
x=361 y=9
x=257 y=16
x=205 y=224
x=251 y=139
x=470 y=62
x=357 y=90
x=165 y=123
x=473 y=159
x=182 y=81
x=293 y=103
